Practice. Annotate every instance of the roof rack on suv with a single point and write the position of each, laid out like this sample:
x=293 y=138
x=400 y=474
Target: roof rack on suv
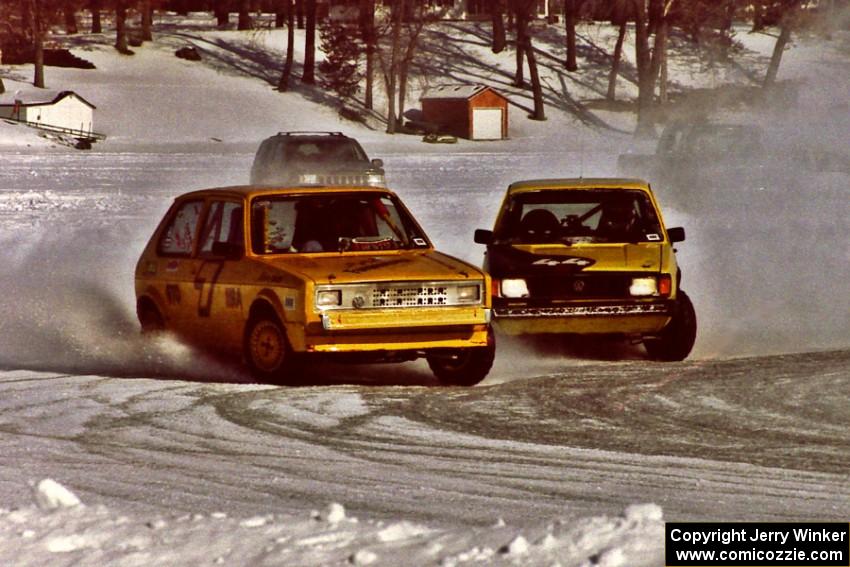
x=309 y=133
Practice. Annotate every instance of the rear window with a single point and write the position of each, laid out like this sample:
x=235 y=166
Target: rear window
x=332 y=149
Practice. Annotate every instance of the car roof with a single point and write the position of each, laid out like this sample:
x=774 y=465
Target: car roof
x=530 y=185
x=249 y=191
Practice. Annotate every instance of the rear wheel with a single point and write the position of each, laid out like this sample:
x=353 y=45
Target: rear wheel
x=463 y=366
x=150 y=319
x=267 y=351
x=676 y=339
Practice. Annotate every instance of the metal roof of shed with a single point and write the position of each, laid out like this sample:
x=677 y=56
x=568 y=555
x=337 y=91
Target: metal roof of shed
x=459 y=92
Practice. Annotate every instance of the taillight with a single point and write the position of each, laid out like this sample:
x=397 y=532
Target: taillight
x=665 y=285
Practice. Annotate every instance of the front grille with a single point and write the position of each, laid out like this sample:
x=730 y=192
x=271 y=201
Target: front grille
x=409 y=296
x=585 y=286
x=405 y=295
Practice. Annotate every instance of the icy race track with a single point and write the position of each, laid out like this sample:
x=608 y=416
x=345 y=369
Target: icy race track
x=741 y=432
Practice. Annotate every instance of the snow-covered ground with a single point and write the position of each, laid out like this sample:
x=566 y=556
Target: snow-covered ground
x=570 y=454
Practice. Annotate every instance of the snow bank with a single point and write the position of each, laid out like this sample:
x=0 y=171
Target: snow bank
x=58 y=530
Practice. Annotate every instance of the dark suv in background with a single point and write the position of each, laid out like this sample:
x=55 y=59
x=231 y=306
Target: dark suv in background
x=315 y=158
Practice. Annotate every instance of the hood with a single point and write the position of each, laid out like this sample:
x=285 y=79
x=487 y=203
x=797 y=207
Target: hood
x=506 y=260
x=352 y=268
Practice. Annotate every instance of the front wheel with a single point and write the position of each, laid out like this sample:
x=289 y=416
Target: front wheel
x=267 y=352
x=463 y=366
x=676 y=339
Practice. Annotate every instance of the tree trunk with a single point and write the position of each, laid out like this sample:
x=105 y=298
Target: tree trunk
x=299 y=13
x=367 y=33
x=615 y=64
x=283 y=83
x=147 y=19
x=309 y=75
x=35 y=19
x=536 y=88
x=570 y=25
x=778 y=49
x=244 y=15
x=279 y=14
x=94 y=8
x=659 y=49
x=520 y=31
x=70 y=20
x=397 y=15
x=2 y=86
x=221 y=9
x=121 y=27
x=646 y=84
x=758 y=15
x=499 y=38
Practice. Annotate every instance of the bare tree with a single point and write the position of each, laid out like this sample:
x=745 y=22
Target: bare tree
x=283 y=83
x=621 y=20
x=368 y=35
x=642 y=59
x=790 y=14
x=94 y=8
x=571 y=8
x=221 y=9
x=121 y=27
x=397 y=8
x=146 y=9
x=309 y=74
x=34 y=17
x=69 y=8
x=244 y=15
x=498 y=15
x=524 y=10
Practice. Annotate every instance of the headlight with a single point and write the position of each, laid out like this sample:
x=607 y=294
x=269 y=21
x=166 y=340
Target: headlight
x=375 y=179
x=308 y=179
x=329 y=298
x=643 y=286
x=514 y=288
x=468 y=293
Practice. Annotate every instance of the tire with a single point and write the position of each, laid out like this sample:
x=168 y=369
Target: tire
x=266 y=350
x=150 y=319
x=464 y=366
x=676 y=339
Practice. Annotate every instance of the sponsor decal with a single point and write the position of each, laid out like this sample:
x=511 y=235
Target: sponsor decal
x=564 y=261
x=172 y=266
x=172 y=294
x=232 y=298
x=289 y=303
x=652 y=237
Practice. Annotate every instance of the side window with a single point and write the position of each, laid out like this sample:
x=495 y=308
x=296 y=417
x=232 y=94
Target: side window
x=272 y=226
x=179 y=236
x=224 y=224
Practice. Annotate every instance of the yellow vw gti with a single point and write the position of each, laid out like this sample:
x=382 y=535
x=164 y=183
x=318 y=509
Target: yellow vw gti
x=589 y=256
x=277 y=275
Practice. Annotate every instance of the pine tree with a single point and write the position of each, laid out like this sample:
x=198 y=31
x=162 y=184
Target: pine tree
x=340 y=72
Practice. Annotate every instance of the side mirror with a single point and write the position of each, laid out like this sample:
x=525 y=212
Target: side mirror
x=676 y=234
x=227 y=250
x=483 y=236
x=378 y=162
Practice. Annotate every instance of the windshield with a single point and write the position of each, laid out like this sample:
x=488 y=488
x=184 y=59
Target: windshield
x=579 y=216
x=331 y=222
x=324 y=150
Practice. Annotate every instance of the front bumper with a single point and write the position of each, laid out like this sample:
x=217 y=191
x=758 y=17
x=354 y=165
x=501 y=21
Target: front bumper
x=414 y=329
x=630 y=318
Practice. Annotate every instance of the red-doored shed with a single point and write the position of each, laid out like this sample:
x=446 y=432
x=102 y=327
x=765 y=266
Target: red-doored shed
x=476 y=112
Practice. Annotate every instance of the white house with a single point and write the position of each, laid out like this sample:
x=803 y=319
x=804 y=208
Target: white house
x=64 y=111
